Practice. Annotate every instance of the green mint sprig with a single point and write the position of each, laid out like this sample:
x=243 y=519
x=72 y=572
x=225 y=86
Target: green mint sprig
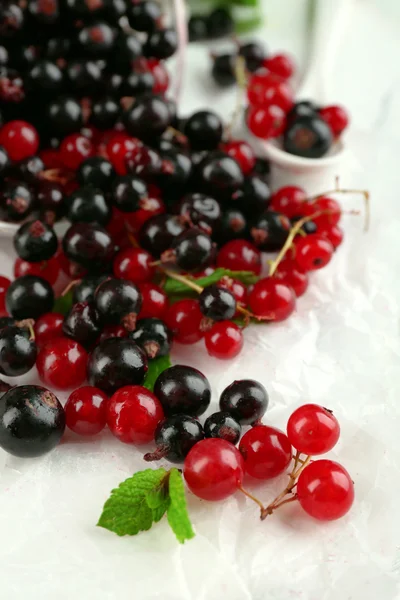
x=173 y=287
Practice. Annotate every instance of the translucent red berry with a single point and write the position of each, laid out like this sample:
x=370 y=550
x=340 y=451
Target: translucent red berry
x=272 y=299
x=288 y=200
x=117 y=149
x=281 y=65
x=243 y=153
x=266 y=121
x=290 y=274
x=86 y=410
x=336 y=117
x=239 y=255
x=313 y=429
x=61 y=364
x=313 y=252
x=47 y=269
x=155 y=301
x=184 y=319
x=224 y=340
x=329 y=208
x=74 y=150
x=20 y=139
x=266 y=451
x=4 y=285
x=160 y=74
x=333 y=233
x=47 y=328
x=134 y=264
x=265 y=89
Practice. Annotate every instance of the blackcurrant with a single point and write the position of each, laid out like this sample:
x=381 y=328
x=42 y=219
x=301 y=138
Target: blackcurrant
x=84 y=291
x=29 y=170
x=82 y=324
x=182 y=389
x=270 y=231
x=219 y=23
x=254 y=196
x=127 y=192
x=89 y=245
x=144 y=15
x=161 y=44
x=233 y=226
x=88 y=205
x=137 y=83
x=200 y=210
x=223 y=425
x=204 y=130
x=262 y=169
x=254 y=54
x=118 y=301
x=175 y=173
x=84 y=77
x=45 y=78
x=309 y=137
x=57 y=47
x=223 y=70
x=217 y=303
x=97 y=39
x=64 y=116
x=127 y=49
x=174 y=437
x=197 y=28
x=105 y=113
x=153 y=336
x=35 y=241
x=16 y=201
x=4 y=159
x=17 y=352
x=192 y=250
x=159 y=232
x=246 y=400
x=97 y=172
x=51 y=201
x=29 y=297
x=219 y=174
x=148 y=117
x=301 y=109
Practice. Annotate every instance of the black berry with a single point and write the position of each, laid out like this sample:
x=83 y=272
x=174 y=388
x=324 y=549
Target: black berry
x=148 y=117
x=161 y=44
x=246 y=400
x=16 y=201
x=144 y=15
x=254 y=196
x=174 y=437
x=270 y=231
x=219 y=23
x=89 y=245
x=88 y=205
x=309 y=137
x=96 y=172
x=84 y=291
x=200 y=210
x=217 y=303
x=204 y=130
x=153 y=336
x=17 y=352
x=220 y=175
x=223 y=70
x=254 y=55
x=29 y=297
x=82 y=324
x=197 y=28
x=159 y=232
x=35 y=241
x=192 y=250
x=118 y=301
x=183 y=389
x=223 y=425
x=127 y=193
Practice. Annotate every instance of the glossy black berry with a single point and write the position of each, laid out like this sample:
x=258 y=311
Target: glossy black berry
x=115 y=363
x=305 y=108
x=246 y=400
x=84 y=77
x=50 y=199
x=148 y=117
x=153 y=336
x=96 y=172
x=84 y=291
x=44 y=13
x=144 y=15
x=254 y=55
x=182 y=389
x=200 y=210
x=128 y=48
x=219 y=23
x=147 y=164
x=128 y=192
x=174 y=438
x=16 y=201
x=217 y=303
x=105 y=113
x=219 y=175
x=309 y=137
x=159 y=232
x=254 y=197
x=12 y=20
x=204 y=130
x=82 y=324
x=13 y=89
x=197 y=28
x=97 y=39
x=29 y=297
x=17 y=352
x=175 y=173
x=161 y=44
x=89 y=245
x=223 y=70
x=32 y=421
x=118 y=301
x=35 y=241
x=45 y=78
x=29 y=170
x=137 y=83
x=192 y=250
x=262 y=169
x=270 y=231
x=88 y=205
x=222 y=425
x=233 y=226
x=64 y=116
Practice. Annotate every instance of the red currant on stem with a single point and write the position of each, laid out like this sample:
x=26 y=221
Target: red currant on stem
x=134 y=264
x=85 y=410
x=289 y=200
x=334 y=234
x=243 y=153
x=313 y=429
x=329 y=209
x=272 y=300
x=290 y=274
x=266 y=451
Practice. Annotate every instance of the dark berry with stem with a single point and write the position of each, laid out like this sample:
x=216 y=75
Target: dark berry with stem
x=161 y=44
x=84 y=290
x=86 y=411
x=118 y=301
x=246 y=400
x=115 y=363
x=192 y=250
x=16 y=201
x=153 y=336
x=45 y=78
x=309 y=137
x=144 y=15
x=97 y=39
x=64 y=115
x=89 y=245
x=224 y=340
x=32 y=421
x=217 y=303
x=223 y=70
x=97 y=172
x=182 y=389
x=254 y=54
x=240 y=255
x=219 y=174
x=204 y=130
x=84 y=77
x=35 y=241
x=223 y=425
x=127 y=193
x=29 y=297
x=233 y=226
x=175 y=172
x=175 y=437
x=219 y=23
x=159 y=232
x=82 y=324
x=17 y=352
x=302 y=109
x=200 y=210
x=148 y=117
x=270 y=231
x=254 y=196
x=128 y=49
x=197 y=28
x=88 y=205
x=105 y=113
x=29 y=170
x=266 y=451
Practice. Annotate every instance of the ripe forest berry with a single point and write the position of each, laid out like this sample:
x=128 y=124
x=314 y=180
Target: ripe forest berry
x=183 y=390
x=85 y=411
x=288 y=200
x=334 y=234
x=97 y=172
x=219 y=175
x=153 y=336
x=213 y=469
x=270 y=231
x=272 y=300
x=265 y=89
x=155 y=301
x=290 y=274
x=4 y=285
x=184 y=319
x=223 y=70
x=313 y=252
x=329 y=208
x=17 y=201
x=32 y=421
x=46 y=269
x=204 y=130
x=246 y=400
x=112 y=331
x=266 y=121
x=144 y=15
x=61 y=364
x=133 y=413
x=74 y=150
x=254 y=55
x=82 y=324
x=308 y=137
x=236 y=288
x=118 y=301
x=325 y=490
x=89 y=245
x=88 y=205
x=200 y=210
x=240 y=255
x=243 y=153
x=29 y=297
x=48 y=327
x=51 y=201
x=222 y=425
x=20 y=140
x=147 y=118
x=313 y=429
x=134 y=264
x=117 y=149
x=266 y=451
x=336 y=117
x=254 y=196
x=159 y=232
x=281 y=65
x=192 y=250
x=175 y=436
x=224 y=340
x=35 y=241
x=17 y=351
x=128 y=193
x=217 y=303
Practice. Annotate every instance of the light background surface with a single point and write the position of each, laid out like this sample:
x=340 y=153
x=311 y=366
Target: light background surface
x=340 y=349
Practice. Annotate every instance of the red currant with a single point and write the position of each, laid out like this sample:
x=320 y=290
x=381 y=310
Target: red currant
x=224 y=340
x=184 y=318
x=313 y=252
x=51 y=158
x=288 y=200
x=134 y=264
x=61 y=364
x=213 y=469
x=4 y=285
x=160 y=74
x=155 y=301
x=74 y=150
x=281 y=65
x=313 y=429
x=325 y=490
x=330 y=209
x=86 y=410
x=133 y=414
x=116 y=225
x=272 y=299
x=239 y=255
x=334 y=234
x=48 y=327
x=265 y=89
x=71 y=269
x=337 y=118
x=289 y=273
x=47 y=269
x=266 y=121
x=117 y=149
x=243 y=153
x=113 y=331
x=20 y=139
x=150 y=207
x=266 y=451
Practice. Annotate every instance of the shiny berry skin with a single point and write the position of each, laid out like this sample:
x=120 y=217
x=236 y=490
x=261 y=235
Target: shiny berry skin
x=222 y=425
x=272 y=300
x=325 y=490
x=161 y=44
x=334 y=234
x=35 y=241
x=153 y=336
x=200 y=210
x=243 y=153
x=133 y=413
x=48 y=327
x=217 y=303
x=254 y=55
x=46 y=269
x=112 y=331
x=254 y=196
x=155 y=301
x=290 y=274
x=20 y=139
x=74 y=150
x=61 y=364
x=330 y=209
x=134 y=264
x=32 y=421
x=97 y=172
x=86 y=411
x=288 y=200
x=29 y=297
x=204 y=130
x=266 y=121
x=192 y=250
x=266 y=89
x=270 y=231
x=17 y=352
x=308 y=137
x=118 y=301
x=313 y=252
x=51 y=201
x=183 y=390
x=213 y=469
x=236 y=288
x=144 y=15
x=175 y=436
x=82 y=324
x=88 y=205
x=281 y=65
x=224 y=340
x=89 y=245
x=115 y=363
x=4 y=285
x=129 y=193
x=219 y=175
x=64 y=115
x=246 y=400
x=118 y=148
x=17 y=201
x=184 y=319
x=159 y=233
x=266 y=451
x=147 y=118
x=336 y=117
x=223 y=70
x=313 y=429
x=197 y=28
x=240 y=255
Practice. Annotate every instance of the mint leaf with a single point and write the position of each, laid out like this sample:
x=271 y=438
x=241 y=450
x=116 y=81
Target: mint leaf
x=177 y=513
x=244 y=26
x=158 y=499
x=156 y=366
x=173 y=287
x=127 y=512
x=63 y=304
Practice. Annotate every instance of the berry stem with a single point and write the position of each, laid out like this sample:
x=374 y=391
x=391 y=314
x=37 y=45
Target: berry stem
x=253 y=498
x=28 y=323
x=364 y=193
x=70 y=286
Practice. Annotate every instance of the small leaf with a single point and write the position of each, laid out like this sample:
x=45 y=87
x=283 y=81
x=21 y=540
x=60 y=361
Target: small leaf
x=158 y=499
x=247 y=25
x=173 y=287
x=127 y=512
x=177 y=513
x=63 y=304
x=156 y=366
